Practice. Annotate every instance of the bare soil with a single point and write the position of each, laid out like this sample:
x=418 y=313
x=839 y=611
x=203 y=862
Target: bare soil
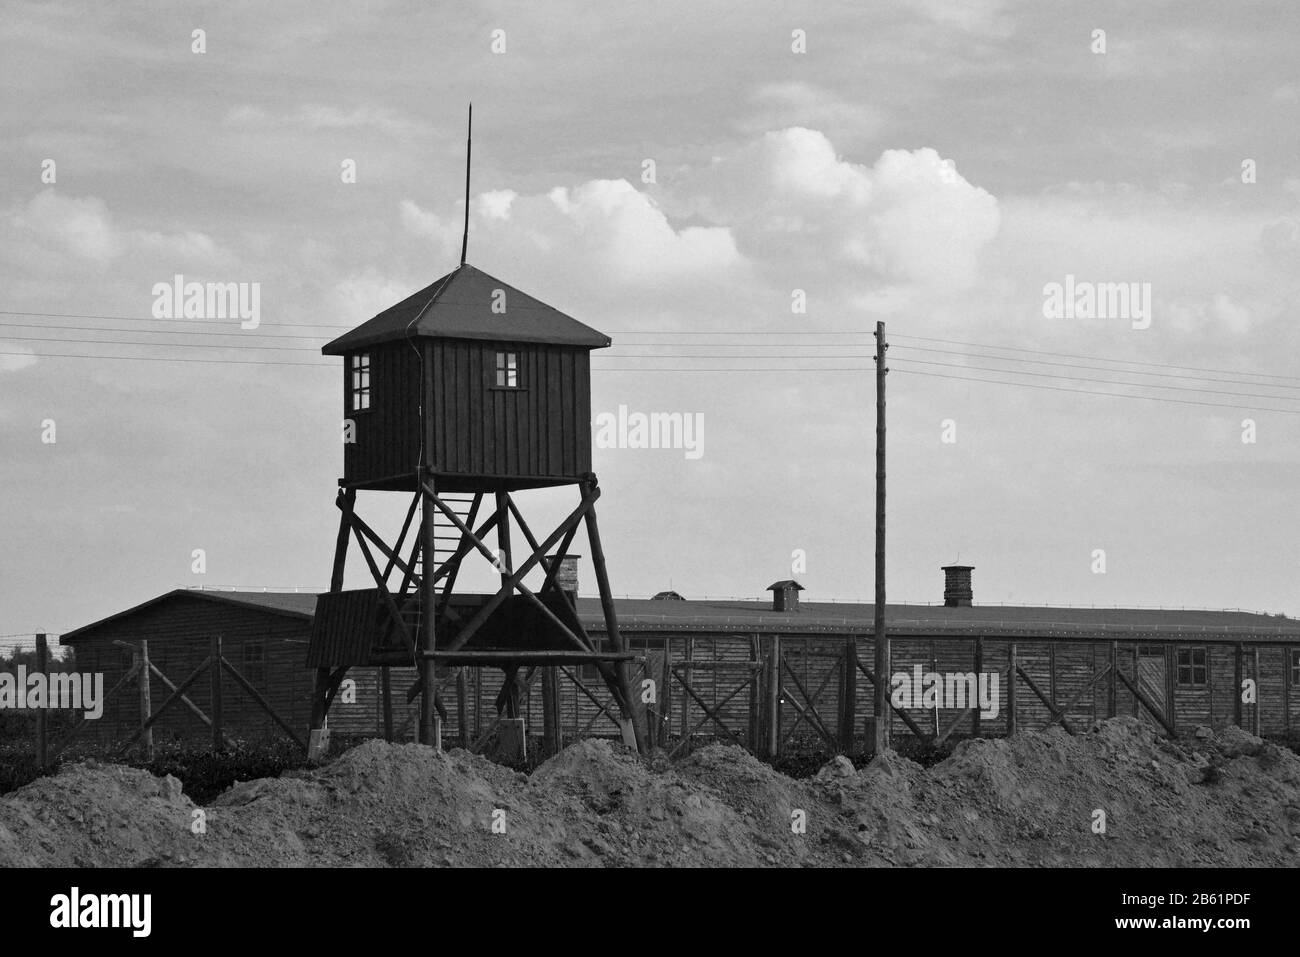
x=1214 y=799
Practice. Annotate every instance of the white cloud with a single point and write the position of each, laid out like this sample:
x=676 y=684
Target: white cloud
x=315 y=116
x=971 y=16
x=626 y=232
x=910 y=218
x=796 y=103
x=444 y=232
x=81 y=227
x=1233 y=316
x=607 y=224
x=495 y=204
x=56 y=235
x=357 y=298
x=14 y=357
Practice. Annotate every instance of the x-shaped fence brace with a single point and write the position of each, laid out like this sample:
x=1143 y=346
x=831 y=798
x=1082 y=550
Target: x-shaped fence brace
x=710 y=713
x=808 y=711
x=1058 y=713
x=177 y=695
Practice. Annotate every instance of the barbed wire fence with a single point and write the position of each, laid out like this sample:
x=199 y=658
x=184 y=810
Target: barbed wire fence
x=26 y=643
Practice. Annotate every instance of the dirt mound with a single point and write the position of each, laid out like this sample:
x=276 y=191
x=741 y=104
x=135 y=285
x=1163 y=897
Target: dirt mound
x=93 y=815
x=1213 y=799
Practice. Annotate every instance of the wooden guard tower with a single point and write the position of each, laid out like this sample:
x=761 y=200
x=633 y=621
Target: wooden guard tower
x=461 y=396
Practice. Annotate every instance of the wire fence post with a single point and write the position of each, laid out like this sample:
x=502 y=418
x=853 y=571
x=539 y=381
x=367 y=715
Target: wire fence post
x=42 y=722
x=146 y=699
x=215 y=675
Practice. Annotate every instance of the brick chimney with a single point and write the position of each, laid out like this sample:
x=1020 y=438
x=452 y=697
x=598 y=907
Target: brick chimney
x=956 y=586
x=785 y=595
x=567 y=577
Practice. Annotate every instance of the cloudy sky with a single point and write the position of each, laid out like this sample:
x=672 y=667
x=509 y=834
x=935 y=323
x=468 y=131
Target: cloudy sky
x=928 y=164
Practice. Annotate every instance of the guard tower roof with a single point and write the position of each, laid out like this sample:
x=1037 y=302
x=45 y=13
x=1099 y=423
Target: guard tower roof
x=460 y=306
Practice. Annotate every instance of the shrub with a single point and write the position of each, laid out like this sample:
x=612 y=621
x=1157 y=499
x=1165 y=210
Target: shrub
x=203 y=773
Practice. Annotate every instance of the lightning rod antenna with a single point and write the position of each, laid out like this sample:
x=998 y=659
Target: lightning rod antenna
x=469 y=145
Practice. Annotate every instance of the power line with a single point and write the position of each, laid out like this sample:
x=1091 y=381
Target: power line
x=160 y=345
x=151 y=332
x=668 y=332
x=1071 y=365
x=1067 y=365
x=735 y=369
x=729 y=356
x=1070 y=355
x=82 y=315
x=1075 y=378
x=1114 y=395
x=244 y=362
x=654 y=332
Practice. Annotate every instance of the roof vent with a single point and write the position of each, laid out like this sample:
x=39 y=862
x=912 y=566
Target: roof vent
x=956 y=586
x=785 y=595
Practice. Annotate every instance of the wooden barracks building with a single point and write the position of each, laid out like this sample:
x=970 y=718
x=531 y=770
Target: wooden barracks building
x=714 y=664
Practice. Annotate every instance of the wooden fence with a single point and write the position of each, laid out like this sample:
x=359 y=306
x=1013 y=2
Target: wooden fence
x=142 y=674
x=773 y=695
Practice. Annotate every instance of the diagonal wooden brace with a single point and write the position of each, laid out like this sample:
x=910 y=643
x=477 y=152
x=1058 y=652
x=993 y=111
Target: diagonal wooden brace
x=709 y=713
x=360 y=527
x=907 y=718
x=394 y=613
x=515 y=581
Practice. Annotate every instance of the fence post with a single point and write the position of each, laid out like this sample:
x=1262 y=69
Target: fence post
x=386 y=693
x=774 y=699
x=462 y=707
x=550 y=712
x=1171 y=666
x=686 y=700
x=666 y=696
x=1255 y=674
x=1236 y=690
x=1114 y=679
x=1012 y=665
x=146 y=699
x=42 y=724
x=979 y=669
x=849 y=705
x=215 y=677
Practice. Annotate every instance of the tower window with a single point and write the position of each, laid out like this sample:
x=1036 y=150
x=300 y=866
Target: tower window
x=507 y=370
x=360 y=381
x=1192 y=670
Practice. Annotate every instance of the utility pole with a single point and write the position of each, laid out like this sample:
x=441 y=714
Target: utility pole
x=880 y=710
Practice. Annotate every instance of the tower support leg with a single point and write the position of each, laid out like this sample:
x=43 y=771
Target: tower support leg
x=318 y=733
x=318 y=736
x=632 y=723
x=430 y=722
